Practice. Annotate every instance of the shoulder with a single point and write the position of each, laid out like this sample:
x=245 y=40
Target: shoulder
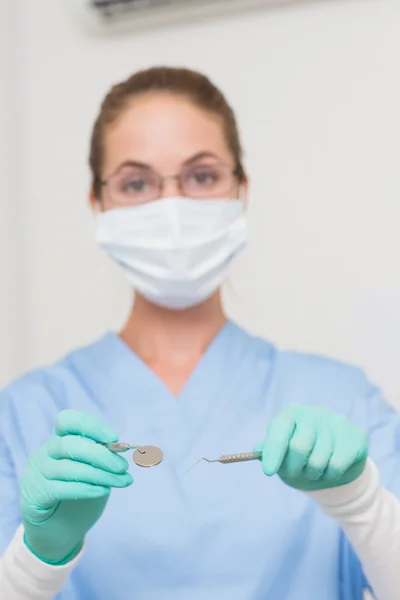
x=317 y=380
x=319 y=369
x=34 y=399
x=50 y=379
x=305 y=368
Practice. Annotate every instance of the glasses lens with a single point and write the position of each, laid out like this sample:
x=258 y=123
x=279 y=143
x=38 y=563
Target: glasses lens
x=207 y=181
x=133 y=186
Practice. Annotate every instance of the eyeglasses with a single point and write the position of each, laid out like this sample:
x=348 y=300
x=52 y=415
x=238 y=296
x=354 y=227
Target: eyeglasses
x=134 y=185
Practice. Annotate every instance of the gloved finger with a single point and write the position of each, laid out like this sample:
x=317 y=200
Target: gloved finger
x=318 y=461
x=74 y=422
x=350 y=447
x=52 y=492
x=40 y=493
x=83 y=450
x=276 y=444
x=301 y=445
x=69 y=470
x=353 y=436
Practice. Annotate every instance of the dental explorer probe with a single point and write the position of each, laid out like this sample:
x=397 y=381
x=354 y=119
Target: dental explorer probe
x=227 y=459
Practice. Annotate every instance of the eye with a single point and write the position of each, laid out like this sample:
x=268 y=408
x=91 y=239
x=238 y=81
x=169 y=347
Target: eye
x=134 y=185
x=204 y=176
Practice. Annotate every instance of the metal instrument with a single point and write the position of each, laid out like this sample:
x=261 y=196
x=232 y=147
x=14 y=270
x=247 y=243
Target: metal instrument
x=148 y=456
x=118 y=447
x=227 y=459
x=144 y=456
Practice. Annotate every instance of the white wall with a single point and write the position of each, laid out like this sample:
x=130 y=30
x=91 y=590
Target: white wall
x=317 y=91
x=8 y=314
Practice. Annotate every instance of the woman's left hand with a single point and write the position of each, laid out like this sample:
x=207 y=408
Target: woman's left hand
x=312 y=448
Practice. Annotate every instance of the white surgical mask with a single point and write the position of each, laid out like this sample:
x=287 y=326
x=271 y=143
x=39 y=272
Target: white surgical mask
x=176 y=252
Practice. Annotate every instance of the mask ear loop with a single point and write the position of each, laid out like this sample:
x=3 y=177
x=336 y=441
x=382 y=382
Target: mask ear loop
x=243 y=196
x=97 y=209
x=96 y=199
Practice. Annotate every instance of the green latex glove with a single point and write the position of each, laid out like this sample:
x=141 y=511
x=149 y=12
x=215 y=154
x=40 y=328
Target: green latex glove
x=67 y=485
x=312 y=448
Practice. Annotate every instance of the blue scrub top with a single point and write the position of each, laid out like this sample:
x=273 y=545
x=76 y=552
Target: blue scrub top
x=219 y=532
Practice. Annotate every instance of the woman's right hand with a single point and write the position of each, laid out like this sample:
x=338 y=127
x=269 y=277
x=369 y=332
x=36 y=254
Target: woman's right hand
x=67 y=484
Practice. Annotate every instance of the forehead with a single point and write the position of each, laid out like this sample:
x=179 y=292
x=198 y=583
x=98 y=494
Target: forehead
x=163 y=130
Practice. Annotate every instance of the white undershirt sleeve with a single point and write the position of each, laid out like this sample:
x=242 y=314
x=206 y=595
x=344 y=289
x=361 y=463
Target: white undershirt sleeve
x=25 y=577
x=370 y=518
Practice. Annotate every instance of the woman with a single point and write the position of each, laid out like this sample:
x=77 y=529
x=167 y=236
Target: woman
x=313 y=520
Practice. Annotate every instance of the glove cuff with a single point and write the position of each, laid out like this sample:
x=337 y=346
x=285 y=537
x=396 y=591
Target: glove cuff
x=57 y=563
x=355 y=496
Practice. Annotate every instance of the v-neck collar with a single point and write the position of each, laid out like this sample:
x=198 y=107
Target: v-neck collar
x=150 y=411
x=124 y=359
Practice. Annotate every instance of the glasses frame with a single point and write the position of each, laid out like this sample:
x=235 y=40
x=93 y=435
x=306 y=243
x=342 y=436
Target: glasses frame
x=237 y=173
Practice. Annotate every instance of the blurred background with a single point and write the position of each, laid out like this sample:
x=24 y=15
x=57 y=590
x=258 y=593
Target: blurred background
x=316 y=87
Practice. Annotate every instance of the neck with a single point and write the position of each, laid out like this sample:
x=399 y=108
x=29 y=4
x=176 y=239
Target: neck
x=175 y=337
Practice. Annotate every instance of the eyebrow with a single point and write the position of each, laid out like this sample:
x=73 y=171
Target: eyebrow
x=189 y=161
x=200 y=156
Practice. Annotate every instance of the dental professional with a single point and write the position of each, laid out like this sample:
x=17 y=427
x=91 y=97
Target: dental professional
x=317 y=518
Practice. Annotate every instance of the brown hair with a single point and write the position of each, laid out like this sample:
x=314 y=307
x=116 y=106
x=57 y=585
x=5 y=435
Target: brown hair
x=192 y=85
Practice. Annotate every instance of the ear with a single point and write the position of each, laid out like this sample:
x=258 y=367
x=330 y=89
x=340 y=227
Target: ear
x=93 y=201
